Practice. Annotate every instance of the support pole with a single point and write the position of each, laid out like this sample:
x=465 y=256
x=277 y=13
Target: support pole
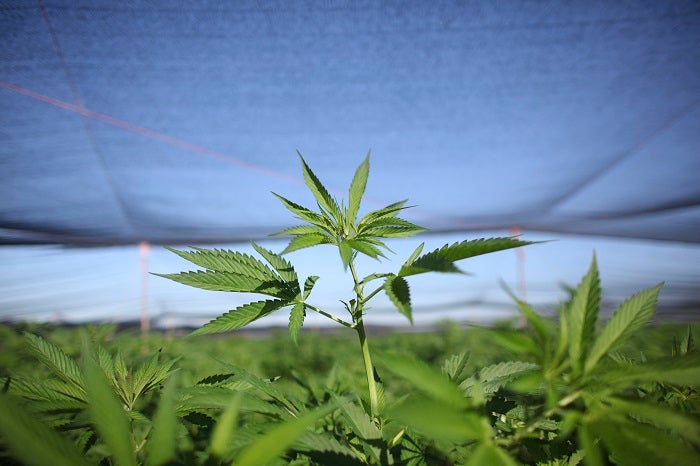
x=144 y=251
x=520 y=270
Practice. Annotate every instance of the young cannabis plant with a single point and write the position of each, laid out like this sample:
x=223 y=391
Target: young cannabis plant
x=337 y=225
x=576 y=397
x=582 y=386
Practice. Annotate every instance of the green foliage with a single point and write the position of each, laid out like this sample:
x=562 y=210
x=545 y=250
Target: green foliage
x=397 y=290
x=162 y=444
x=210 y=410
x=443 y=259
x=577 y=386
x=634 y=314
x=582 y=316
x=492 y=378
x=333 y=224
x=108 y=415
x=337 y=225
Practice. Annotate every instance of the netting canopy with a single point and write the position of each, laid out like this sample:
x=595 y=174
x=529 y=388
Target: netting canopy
x=170 y=122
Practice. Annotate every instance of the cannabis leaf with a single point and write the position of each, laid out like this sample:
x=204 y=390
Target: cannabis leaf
x=31 y=440
x=241 y=316
x=397 y=290
x=340 y=225
x=631 y=316
x=494 y=377
x=443 y=259
x=582 y=314
x=236 y=272
x=337 y=225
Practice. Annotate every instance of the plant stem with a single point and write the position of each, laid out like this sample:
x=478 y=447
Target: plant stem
x=330 y=316
x=369 y=368
x=371 y=295
x=364 y=345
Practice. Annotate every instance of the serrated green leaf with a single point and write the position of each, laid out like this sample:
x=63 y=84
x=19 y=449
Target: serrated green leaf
x=162 y=446
x=675 y=371
x=359 y=423
x=478 y=247
x=315 y=443
x=454 y=365
x=265 y=386
x=394 y=231
x=54 y=358
x=206 y=399
x=269 y=389
x=414 y=255
x=375 y=242
x=441 y=421
x=364 y=247
x=68 y=390
x=299 y=230
x=307 y=241
x=345 y=253
x=439 y=259
x=120 y=369
x=233 y=282
x=296 y=320
x=308 y=215
x=221 y=260
x=429 y=264
x=33 y=442
x=357 y=419
x=582 y=315
x=43 y=390
x=493 y=378
x=563 y=337
x=216 y=379
x=108 y=415
x=630 y=317
x=150 y=374
x=389 y=223
x=280 y=264
x=66 y=405
x=357 y=189
x=309 y=285
x=426 y=379
x=397 y=290
x=319 y=191
x=105 y=361
x=241 y=316
x=389 y=211
x=276 y=441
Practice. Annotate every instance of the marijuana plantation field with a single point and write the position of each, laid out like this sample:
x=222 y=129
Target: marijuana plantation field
x=224 y=393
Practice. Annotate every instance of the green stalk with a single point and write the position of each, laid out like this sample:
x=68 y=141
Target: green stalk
x=364 y=345
x=369 y=369
x=330 y=316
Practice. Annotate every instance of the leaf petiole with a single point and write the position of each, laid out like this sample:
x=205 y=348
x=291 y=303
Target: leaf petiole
x=330 y=316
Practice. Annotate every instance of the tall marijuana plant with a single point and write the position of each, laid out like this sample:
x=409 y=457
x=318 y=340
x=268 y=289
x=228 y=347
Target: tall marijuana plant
x=335 y=224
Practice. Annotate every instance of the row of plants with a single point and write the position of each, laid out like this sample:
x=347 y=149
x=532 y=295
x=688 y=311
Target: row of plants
x=564 y=393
